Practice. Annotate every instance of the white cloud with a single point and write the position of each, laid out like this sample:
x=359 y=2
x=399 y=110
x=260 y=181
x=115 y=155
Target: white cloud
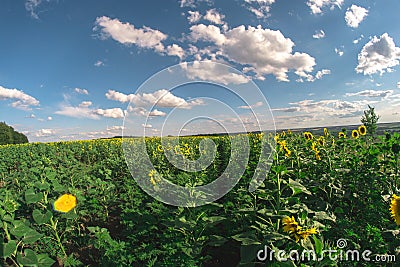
x=44 y=133
x=49 y=118
x=256 y=105
x=117 y=96
x=354 y=15
x=260 y=8
x=193 y=3
x=160 y=98
x=212 y=72
x=194 y=16
x=31 y=6
x=265 y=51
x=81 y=91
x=398 y=84
x=339 y=51
x=319 y=34
x=115 y=113
x=380 y=54
x=23 y=100
x=372 y=93
x=317 y=5
x=85 y=104
x=147 y=126
x=81 y=111
x=214 y=16
x=99 y=63
x=321 y=73
x=175 y=50
x=127 y=34
x=143 y=112
x=32 y=116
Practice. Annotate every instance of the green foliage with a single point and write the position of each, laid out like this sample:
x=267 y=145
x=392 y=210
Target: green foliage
x=343 y=193
x=9 y=136
x=370 y=120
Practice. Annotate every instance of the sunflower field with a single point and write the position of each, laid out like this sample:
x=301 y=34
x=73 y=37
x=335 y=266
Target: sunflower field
x=76 y=204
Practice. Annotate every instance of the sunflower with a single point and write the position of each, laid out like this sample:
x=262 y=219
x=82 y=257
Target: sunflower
x=341 y=135
x=355 y=134
x=289 y=131
x=308 y=135
x=65 y=203
x=317 y=155
x=395 y=208
x=326 y=132
x=362 y=130
x=287 y=151
x=290 y=225
x=306 y=233
x=314 y=146
x=321 y=140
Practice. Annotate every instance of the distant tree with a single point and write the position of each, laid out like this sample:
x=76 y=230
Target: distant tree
x=370 y=120
x=9 y=136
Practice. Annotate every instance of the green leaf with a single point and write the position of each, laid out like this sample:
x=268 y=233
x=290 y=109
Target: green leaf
x=318 y=245
x=28 y=258
x=32 y=197
x=7 y=249
x=31 y=236
x=19 y=229
x=297 y=188
x=42 y=186
x=41 y=218
x=246 y=239
x=216 y=240
x=44 y=260
x=58 y=187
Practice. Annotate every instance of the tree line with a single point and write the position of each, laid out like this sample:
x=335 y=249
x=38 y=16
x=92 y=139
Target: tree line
x=9 y=136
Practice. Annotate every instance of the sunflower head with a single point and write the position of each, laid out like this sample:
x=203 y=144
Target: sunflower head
x=326 y=132
x=290 y=225
x=287 y=151
x=65 y=203
x=341 y=135
x=317 y=156
x=308 y=135
x=355 y=134
x=362 y=130
x=321 y=140
x=395 y=208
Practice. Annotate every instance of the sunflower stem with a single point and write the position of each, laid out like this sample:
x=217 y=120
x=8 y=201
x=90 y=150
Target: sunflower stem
x=54 y=227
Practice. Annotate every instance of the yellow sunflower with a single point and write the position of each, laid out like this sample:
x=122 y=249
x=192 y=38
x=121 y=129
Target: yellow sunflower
x=355 y=134
x=326 y=132
x=341 y=135
x=308 y=135
x=287 y=151
x=395 y=208
x=321 y=140
x=290 y=225
x=317 y=155
x=65 y=203
x=306 y=233
x=362 y=130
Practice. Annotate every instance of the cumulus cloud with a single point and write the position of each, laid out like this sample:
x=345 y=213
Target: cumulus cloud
x=214 y=16
x=81 y=111
x=264 y=51
x=44 y=133
x=316 y=6
x=194 y=16
x=144 y=112
x=21 y=99
x=319 y=34
x=160 y=98
x=372 y=93
x=81 y=91
x=85 y=104
x=115 y=113
x=127 y=34
x=354 y=15
x=175 y=50
x=380 y=54
x=208 y=71
x=49 y=118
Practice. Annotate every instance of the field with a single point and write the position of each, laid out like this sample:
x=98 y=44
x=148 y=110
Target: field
x=321 y=188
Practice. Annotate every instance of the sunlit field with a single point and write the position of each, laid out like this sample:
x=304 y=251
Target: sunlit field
x=76 y=204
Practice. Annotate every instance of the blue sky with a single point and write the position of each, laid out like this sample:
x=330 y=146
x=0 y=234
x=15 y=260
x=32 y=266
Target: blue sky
x=74 y=69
